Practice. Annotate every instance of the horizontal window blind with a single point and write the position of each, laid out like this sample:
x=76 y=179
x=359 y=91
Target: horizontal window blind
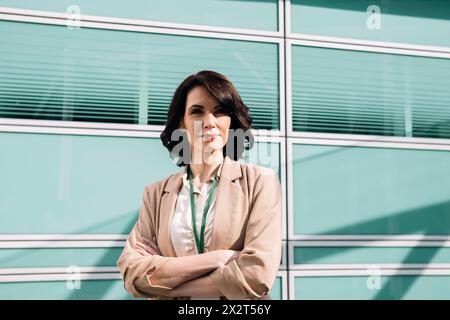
x=259 y=15
x=355 y=92
x=414 y=21
x=57 y=73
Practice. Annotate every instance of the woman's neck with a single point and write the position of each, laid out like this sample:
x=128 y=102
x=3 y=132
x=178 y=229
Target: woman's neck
x=205 y=168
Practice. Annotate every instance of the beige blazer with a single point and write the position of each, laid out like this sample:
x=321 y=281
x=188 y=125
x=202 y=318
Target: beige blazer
x=248 y=213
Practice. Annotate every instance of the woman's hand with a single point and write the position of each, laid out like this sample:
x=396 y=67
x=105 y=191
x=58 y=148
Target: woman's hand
x=147 y=247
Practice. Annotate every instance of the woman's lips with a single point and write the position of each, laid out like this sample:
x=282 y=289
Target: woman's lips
x=209 y=137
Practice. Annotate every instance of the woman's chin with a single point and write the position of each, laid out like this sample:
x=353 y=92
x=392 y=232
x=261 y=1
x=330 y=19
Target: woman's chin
x=211 y=146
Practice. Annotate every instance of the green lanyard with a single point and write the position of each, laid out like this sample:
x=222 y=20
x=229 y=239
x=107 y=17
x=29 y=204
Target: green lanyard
x=200 y=241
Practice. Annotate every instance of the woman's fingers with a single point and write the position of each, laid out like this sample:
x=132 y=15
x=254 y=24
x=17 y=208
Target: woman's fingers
x=142 y=252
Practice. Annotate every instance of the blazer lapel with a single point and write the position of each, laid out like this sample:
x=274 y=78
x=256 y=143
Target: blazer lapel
x=228 y=205
x=168 y=202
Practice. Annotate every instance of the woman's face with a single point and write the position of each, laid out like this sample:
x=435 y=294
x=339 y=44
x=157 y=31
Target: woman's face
x=206 y=122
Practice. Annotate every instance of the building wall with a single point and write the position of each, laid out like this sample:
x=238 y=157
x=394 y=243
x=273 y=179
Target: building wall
x=351 y=107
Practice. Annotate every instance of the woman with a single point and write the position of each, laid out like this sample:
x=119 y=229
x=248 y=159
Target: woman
x=214 y=229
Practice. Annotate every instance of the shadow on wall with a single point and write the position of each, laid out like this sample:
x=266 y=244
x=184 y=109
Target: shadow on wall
x=99 y=289
x=411 y=220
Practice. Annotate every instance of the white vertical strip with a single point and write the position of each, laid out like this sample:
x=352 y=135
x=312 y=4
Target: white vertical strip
x=282 y=93
x=291 y=279
x=287 y=17
x=284 y=287
x=284 y=284
x=283 y=265
x=283 y=184
x=288 y=77
x=291 y=262
x=290 y=189
x=281 y=17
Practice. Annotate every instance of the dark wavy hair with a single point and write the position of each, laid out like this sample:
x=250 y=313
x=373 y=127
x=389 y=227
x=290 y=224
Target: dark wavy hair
x=221 y=88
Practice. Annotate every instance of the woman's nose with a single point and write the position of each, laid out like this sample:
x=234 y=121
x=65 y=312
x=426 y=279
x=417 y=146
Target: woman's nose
x=209 y=121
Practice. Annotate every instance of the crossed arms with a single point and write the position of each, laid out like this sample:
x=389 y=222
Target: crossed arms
x=246 y=274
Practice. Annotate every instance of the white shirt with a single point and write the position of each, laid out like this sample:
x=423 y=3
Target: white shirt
x=181 y=233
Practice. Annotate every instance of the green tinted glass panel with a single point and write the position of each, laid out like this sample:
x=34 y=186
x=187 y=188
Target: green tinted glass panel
x=277 y=290
x=355 y=92
x=371 y=255
x=78 y=184
x=56 y=257
x=264 y=154
x=391 y=287
x=58 y=290
x=360 y=190
x=57 y=73
x=249 y=14
x=412 y=21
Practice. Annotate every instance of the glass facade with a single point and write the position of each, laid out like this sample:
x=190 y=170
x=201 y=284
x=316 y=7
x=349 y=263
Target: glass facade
x=350 y=103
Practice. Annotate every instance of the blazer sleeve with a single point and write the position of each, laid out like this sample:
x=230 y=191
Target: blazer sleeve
x=136 y=270
x=253 y=273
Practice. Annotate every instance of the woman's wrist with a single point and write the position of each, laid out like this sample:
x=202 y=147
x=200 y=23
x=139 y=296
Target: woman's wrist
x=225 y=256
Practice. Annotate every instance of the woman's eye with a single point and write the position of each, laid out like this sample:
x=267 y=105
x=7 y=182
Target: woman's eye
x=221 y=111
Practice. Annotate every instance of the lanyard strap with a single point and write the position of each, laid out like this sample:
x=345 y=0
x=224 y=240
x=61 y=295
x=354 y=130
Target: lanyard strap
x=200 y=240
